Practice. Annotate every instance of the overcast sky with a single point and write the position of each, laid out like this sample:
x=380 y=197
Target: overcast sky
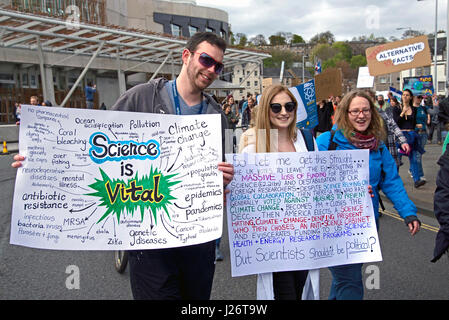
x=345 y=19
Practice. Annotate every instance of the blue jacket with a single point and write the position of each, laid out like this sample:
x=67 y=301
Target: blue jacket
x=379 y=160
x=90 y=93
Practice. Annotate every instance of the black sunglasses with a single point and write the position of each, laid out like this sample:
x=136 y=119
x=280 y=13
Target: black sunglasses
x=207 y=61
x=277 y=107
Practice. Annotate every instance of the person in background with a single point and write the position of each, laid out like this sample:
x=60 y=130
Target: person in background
x=441 y=207
x=234 y=105
x=443 y=116
x=325 y=111
x=89 y=92
x=34 y=101
x=230 y=116
x=247 y=114
x=445 y=143
x=394 y=104
x=394 y=137
x=406 y=120
x=245 y=103
x=17 y=112
x=422 y=121
x=381 y=103
x=360 y=127
x=433 y=109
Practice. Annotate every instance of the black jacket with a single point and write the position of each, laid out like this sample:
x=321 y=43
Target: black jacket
x=443 y=115
x=441 y=207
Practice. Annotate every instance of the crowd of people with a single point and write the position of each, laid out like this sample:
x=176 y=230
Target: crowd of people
x=358 y=120
x=89 y=91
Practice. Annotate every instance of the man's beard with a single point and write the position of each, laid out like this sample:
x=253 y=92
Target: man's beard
x=195 y=78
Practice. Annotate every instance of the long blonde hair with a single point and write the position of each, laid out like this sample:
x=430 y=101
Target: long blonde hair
x=263 y=125
x=376 y=126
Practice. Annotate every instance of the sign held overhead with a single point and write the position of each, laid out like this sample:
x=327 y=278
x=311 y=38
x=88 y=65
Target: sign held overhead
x=399 y=55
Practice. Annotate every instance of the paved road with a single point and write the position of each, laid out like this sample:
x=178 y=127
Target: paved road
x=404 y=273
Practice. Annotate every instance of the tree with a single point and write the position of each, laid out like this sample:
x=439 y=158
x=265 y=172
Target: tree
x=323 y=52
x=411 y=33
x=358 y=61
x=241 y=39
x=343 y=50
x=323 y=37
x=277 y=56
x=231 y=37
x=258 y=40
x=297 y=39
x=277 y=40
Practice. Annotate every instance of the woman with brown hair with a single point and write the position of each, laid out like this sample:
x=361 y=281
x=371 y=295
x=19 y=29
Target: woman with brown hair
x=275 y=131
x=360 y=127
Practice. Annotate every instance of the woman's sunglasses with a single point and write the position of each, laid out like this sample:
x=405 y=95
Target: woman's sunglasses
x=207 y=61
x=277 y=107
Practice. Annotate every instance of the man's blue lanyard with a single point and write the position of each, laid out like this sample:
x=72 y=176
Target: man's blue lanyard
x=177 y=103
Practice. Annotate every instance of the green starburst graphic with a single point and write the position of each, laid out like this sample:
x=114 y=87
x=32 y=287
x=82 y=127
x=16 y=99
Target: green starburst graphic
x=151 y=192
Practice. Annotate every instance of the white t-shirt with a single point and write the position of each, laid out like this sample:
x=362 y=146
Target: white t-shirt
x=311 y=289
x=300 y=145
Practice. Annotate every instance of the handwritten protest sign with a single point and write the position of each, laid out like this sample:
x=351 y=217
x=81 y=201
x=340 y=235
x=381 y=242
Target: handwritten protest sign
x=399 y=55
x=109 y=180
x=300 y=211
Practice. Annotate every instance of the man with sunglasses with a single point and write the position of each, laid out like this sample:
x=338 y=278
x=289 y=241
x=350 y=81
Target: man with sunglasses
x=184 y=272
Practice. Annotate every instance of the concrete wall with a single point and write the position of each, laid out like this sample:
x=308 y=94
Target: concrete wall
x=107 y=89
x=138 y=14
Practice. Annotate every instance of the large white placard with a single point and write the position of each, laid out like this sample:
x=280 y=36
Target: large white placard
x=109 y=180
x=300 y=211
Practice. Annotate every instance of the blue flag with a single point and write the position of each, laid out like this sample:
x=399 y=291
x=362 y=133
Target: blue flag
x=396 y=93
x=318 y=67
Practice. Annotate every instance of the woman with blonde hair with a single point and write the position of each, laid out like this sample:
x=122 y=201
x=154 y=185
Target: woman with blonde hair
x=275 y=131
x=360 y=127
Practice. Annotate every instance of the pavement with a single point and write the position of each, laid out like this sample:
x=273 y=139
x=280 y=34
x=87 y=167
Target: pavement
x=422 y=197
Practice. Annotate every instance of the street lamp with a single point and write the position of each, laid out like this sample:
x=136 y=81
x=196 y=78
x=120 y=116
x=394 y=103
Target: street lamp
x=303 y=66
x=447 y=50
x=435 y=78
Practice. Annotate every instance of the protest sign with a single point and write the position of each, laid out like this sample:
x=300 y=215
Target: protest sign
x=419 y=85
x=399 y=55
x=300 y=211
x=364 y=79
x=110 y=180
x=306 y=114
x=329 y=83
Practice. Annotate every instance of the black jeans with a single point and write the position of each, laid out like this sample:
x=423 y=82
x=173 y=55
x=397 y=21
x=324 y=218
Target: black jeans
x=184 y=273
x=289 y=285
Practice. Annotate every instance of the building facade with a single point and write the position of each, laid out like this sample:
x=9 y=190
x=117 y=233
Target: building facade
x=20 y=72
x=176 y=18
